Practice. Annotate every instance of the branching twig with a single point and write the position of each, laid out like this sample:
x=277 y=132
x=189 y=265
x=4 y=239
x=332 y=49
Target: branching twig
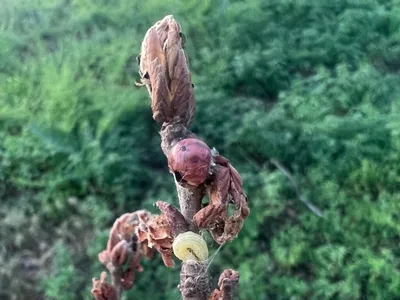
x=197 y=170
x=164 y=70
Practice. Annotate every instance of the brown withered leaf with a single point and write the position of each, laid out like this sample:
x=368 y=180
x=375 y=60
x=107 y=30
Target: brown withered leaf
x=211 y=217
x=119 y=254
x=220 y=160
x=235 y=177
x=119 y=241
x=239 y=198
x=232 y=226
x=165 y=71
x=174 y=217
x=102 y=290
x=123 y=229
x=226 y=194
x=157 y=233
x=220 y=187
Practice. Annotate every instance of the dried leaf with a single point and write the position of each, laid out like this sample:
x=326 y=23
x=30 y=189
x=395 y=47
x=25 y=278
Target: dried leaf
x=225 y=191
x=235 y=177
x=220 y=160
x=175 y=218
x=157 y=233
x=120 y=253
x=210 y=217
x=220 y=187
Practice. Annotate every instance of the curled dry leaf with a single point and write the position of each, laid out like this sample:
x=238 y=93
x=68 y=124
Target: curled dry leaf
x=227 y=283
x=157 y=234
x=226 y=194
x=175 y=218
x=160 y=231
x=190 y=160
x=102 y=290
x=163 y=67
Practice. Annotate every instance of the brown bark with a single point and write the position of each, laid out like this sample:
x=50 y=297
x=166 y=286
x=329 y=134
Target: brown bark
x=194 y=281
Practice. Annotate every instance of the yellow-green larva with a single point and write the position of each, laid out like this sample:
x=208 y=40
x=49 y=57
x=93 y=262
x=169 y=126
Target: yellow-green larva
x=190 y=246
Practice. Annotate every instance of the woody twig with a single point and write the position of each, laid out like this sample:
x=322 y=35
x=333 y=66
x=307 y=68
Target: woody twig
x=197 y=171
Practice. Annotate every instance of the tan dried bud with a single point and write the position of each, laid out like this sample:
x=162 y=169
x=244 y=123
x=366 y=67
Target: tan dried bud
x=227 y=284
x=121 y=253
x=165 y=71
x=101 y=290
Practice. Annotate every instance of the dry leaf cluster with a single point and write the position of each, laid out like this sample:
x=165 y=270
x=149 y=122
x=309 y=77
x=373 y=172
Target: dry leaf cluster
x=160 y=231
x=122 y=255
x=133 y=236
x=227 y=283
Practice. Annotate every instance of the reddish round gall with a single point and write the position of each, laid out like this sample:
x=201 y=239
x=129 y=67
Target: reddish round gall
x=190 y=160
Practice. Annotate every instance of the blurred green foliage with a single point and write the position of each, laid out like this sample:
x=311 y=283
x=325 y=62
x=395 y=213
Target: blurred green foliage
x=313 y=84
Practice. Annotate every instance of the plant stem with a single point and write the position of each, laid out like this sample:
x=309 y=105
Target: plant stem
x=116 y=273
x=190 y=203
x=194 y=280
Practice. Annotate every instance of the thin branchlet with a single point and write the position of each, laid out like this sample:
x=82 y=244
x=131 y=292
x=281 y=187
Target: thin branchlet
x=164 y=70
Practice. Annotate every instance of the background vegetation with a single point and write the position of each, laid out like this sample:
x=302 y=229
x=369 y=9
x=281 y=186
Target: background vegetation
x=314 y=84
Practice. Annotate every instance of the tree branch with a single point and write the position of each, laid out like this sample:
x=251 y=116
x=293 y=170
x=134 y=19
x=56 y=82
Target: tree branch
x=194 y=280
x=190 y=203
x=164 y=70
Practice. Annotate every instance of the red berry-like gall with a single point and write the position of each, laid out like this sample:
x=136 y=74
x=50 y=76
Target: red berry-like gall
x=190 y=160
